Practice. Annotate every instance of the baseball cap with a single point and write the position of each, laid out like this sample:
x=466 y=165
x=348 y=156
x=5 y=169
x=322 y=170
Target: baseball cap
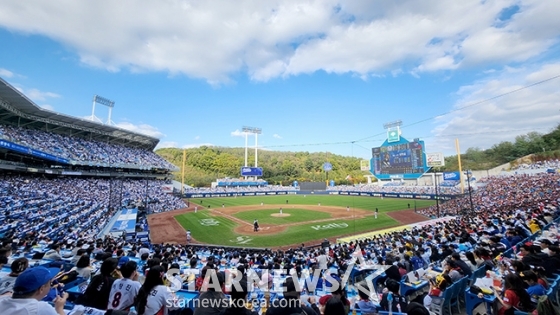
x=32 y=279
x=19 y=265
x=123 y=260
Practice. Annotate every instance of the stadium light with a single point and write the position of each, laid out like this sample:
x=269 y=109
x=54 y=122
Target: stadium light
x=392 y=124
x=105 y=102
x=253 y=130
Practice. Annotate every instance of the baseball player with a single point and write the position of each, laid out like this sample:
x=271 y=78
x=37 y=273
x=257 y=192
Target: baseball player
x=124 y=291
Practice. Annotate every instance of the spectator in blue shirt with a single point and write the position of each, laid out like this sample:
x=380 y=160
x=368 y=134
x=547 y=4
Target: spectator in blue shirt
x=535 y=289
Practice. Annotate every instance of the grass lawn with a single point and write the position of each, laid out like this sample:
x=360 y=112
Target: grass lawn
x=358 y=202
x=219 y=230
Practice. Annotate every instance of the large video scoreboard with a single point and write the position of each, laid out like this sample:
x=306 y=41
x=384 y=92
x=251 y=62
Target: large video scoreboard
x=401 y=159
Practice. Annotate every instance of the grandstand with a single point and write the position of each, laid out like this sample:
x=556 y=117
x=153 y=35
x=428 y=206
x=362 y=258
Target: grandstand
x=63 y=174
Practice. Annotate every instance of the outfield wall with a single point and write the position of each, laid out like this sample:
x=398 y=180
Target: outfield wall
x=342 y=193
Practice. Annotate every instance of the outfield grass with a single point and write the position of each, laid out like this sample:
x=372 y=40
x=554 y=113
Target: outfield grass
x=358 y=202
x=219 y=230
x=223 y=234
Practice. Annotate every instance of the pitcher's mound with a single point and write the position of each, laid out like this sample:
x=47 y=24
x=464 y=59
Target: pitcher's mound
x=280 y=215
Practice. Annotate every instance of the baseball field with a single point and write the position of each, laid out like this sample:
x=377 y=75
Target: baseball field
x=283 y=220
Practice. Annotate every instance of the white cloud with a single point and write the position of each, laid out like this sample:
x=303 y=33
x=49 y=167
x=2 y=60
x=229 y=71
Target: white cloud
x=141 y=128
x=277 y=136
x=167 y=144
x=35 y=94
x=174 y=144
x=197 y=137
x=47 y=107
x=214 y=40
x=237 y=133
x=501 y=119
x=6 y=73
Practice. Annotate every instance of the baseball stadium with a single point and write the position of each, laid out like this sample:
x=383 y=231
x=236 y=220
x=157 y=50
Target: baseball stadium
x=93 y=201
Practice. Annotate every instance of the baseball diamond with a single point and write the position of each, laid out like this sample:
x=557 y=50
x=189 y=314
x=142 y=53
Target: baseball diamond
x=229 y=221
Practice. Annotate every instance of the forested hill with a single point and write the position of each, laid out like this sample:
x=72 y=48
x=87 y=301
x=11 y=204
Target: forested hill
x=205 y=164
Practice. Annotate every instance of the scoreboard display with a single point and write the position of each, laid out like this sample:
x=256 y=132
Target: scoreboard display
x=403 y=159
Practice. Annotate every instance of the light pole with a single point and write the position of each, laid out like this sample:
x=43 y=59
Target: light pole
x=437 y=195
x=470 y=190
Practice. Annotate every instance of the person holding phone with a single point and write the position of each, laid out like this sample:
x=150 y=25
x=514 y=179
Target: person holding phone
x=30 y=288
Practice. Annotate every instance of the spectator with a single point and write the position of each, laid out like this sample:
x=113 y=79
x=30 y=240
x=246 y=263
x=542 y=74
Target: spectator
x=535 y=289
x=529 y=256
x=437 y=287
x=238 y=298
x=364 y=304
x=30 y=288
x=6 y=252
x=392 y=300
x=414 y=308
x=335 y=306
x=124 y=291
x=515 y=296
x=3 y=261
x=7 y=282
x=98 y=290
x=291 y=303
x=466 y=271
x=83 y=267
x=211 y=295
x=53 y=253
x=338 y=291
x=153 y=296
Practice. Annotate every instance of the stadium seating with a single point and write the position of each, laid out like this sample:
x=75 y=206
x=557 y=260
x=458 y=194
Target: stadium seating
x=38 y=211
x=82 y=151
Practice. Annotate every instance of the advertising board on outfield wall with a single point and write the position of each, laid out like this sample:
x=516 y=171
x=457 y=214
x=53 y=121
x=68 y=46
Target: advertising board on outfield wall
x=343 y=193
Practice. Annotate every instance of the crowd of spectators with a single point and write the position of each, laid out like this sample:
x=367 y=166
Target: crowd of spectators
x=83 y=151
x=549 y=164
x=507 y=211
x=239 y=189
x=442 y=190
x=70 y=208
x=503 y=194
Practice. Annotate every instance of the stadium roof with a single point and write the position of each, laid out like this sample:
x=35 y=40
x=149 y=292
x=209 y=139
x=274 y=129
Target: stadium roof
x=18 y=110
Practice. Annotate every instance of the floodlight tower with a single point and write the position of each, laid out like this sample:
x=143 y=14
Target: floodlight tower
x=256 y=132
x=102 y=101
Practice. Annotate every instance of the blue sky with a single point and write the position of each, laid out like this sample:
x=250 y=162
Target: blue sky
x=316 y=76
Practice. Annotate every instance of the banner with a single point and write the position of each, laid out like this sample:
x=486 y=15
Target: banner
x=168 y=189
x=451 y=176
x=435 y=159
x=393 y=135
x=365 y=165
x=344 y=193
x=25 y=150
x=251 y=171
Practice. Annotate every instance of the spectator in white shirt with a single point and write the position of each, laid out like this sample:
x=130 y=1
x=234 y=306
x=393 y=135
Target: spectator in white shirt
x=29 y=289
x=7 y=282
